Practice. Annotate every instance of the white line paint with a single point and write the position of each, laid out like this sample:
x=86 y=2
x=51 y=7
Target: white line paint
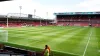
x=87 y=44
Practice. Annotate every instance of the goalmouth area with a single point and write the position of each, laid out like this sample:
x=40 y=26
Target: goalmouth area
x=63 y=40
x=3 y=35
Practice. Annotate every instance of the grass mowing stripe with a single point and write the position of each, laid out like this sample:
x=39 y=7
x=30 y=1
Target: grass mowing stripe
x=40 y=42
x=46 y=36
x=53 y=43
x=92 y=49
x=80 y=46
x=32 y=31
x=19 y=38
x=50 y=34
x=87 y=43
x=46 y=39
x=58 y=31
x=51 y=30
x=22 y=34
x=41 y=39
x=97 y=38
x=42 y=34
x=69 y=44
x=29 y=29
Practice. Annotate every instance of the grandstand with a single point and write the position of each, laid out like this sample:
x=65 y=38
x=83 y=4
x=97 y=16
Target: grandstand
x=78 y=19
x=14 y=20
x=63 y=19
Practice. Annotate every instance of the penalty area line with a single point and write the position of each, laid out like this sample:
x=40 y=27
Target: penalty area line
x=87 y=44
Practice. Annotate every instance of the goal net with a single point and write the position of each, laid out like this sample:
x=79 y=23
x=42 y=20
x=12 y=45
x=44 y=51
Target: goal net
x=3 y=36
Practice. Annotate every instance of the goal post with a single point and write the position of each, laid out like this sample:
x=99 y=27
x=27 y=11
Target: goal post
x=3 y=35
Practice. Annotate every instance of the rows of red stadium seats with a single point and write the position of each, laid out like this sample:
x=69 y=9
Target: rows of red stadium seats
x=78 y=21
x=20 y=24
x=78 y=24
x=77 y=18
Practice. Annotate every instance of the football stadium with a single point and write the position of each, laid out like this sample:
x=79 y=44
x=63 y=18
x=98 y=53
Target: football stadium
x=70 y=34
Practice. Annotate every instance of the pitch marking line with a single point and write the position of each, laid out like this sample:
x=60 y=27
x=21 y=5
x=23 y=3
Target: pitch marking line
x=87 y=44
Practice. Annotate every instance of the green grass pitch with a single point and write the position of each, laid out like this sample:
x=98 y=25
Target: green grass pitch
x=83 y=41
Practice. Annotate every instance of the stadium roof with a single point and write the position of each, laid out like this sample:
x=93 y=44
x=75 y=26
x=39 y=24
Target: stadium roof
x=77 y=13
x=23 y=16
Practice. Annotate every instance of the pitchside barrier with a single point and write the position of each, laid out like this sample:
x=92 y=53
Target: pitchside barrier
x=3 y=36
x=38 y=50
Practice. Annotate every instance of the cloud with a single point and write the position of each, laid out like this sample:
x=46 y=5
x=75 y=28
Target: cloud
x=89 y=5
x=28 y=7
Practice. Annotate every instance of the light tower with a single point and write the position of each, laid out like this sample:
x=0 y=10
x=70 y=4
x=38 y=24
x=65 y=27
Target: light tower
x=20 y=7
x=7 y=20
x=34 y=12
x=46 y=17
